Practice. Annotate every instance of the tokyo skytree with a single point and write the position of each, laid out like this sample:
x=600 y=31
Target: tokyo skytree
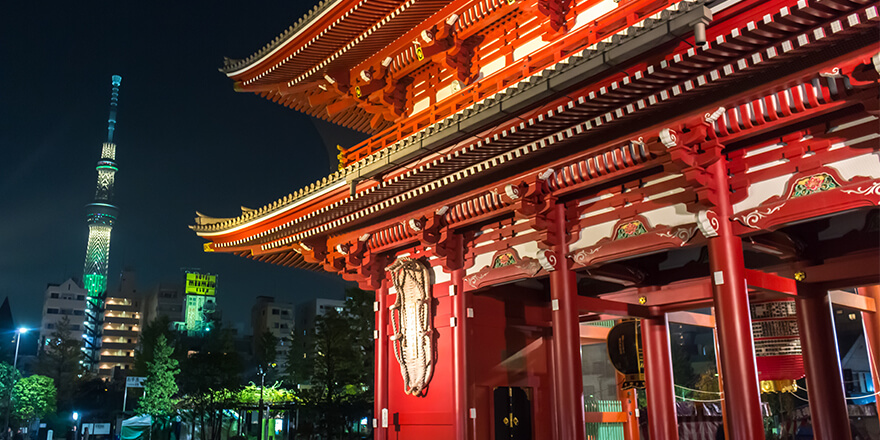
x=100 y=216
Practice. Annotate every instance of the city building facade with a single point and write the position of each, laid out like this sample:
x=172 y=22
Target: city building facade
x=67 y=299
x=275 y=318
x=123 y=319
x=168 y=300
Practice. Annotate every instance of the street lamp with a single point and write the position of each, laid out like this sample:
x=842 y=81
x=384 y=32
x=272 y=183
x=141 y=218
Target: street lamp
x=18 y=333
x=262 y=372
x=75 y=417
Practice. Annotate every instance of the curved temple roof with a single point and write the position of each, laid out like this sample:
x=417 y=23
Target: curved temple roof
x=327 y=203
x=333 y=38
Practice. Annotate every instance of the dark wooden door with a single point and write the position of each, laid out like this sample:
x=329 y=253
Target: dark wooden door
x=513 y=414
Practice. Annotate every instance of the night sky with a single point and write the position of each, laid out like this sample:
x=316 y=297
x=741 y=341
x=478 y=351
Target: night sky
x=186 y=142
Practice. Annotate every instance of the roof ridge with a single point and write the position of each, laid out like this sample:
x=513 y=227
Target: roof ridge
x=233 y=64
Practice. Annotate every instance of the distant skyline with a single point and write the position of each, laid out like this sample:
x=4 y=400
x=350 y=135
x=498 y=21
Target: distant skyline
x=186 y=142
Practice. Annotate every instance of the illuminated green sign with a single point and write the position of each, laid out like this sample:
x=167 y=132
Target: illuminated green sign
x=200 y=284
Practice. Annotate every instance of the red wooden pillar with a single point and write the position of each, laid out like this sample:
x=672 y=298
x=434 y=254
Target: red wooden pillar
x=662 y=419
x=629 y=405
x=566 y=339
x=822 y=364
x=459 y=348
x=380 y=398
x=733 y=320
x=871 y=324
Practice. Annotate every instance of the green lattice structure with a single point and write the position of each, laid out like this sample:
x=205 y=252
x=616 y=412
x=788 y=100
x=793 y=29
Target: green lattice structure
x=100 y=216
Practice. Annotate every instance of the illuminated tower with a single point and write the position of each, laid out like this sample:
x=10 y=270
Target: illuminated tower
x=100 y=215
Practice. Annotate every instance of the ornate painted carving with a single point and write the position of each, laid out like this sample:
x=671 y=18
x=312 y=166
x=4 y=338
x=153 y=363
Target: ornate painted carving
x=630 y=229
x=547 y=259
x=415 y=224
x=512 y=191
x=813 y=184
x=683 y=234
x=712 y=117
x=583 y=255
x=707 y=221
x=506 y=266
x=411 y=322
x=503 y=259
x=873 y=189
x=668 y=138
x=831 y=73
x=751 y=219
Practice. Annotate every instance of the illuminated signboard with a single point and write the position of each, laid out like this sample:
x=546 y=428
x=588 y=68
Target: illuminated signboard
x=200 y=284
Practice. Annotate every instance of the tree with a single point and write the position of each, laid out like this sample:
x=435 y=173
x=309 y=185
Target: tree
x=33 y=397
x=60 y=360
x=338 y=364
x=160 y=386
x=267 y=349
x=8 y=377
x=212 y=364
x=161 y=326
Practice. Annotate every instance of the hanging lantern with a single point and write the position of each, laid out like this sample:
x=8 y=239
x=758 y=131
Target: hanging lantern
x=625 y=352
x=777 y=344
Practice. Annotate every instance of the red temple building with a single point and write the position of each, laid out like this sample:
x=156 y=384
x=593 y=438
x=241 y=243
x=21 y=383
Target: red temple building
x=538 y=166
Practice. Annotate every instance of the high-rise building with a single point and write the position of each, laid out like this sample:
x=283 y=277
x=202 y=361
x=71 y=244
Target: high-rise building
x=307 y=312
x=100 y=217
x=267 y=315
x=121 y=328
x=166 y=299
x=200 y=302
x=67 y=299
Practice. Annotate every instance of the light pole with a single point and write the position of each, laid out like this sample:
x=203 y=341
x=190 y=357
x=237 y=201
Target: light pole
x=262 y=374
x=18 y=334
x=75 y=416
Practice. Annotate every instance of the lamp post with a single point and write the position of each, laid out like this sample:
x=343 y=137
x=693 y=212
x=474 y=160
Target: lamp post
x=75 y=416
x=18 y=333
x=262 y=374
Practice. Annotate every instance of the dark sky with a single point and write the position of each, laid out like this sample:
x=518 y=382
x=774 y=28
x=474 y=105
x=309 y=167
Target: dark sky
x=186 y=141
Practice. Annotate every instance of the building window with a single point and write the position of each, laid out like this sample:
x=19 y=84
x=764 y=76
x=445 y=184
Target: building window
x=80 y=297
x=53 y=295
x=50 y=326
x=52 y=311
x=276 y=325
x=275 y=311
x=77 y=312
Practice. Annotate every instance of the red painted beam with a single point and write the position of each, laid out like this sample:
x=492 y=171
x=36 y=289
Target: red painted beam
x=769 y=282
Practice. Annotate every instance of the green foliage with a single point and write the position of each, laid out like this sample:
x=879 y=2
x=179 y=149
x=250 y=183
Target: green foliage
x=216 y=365
x=160 y=385
x=60 y=360
x=161 y=326
x=250 y=395
x=33 y=397
x=299 y=367
x=8 y=377
x=267 y=350
x=338 y=364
